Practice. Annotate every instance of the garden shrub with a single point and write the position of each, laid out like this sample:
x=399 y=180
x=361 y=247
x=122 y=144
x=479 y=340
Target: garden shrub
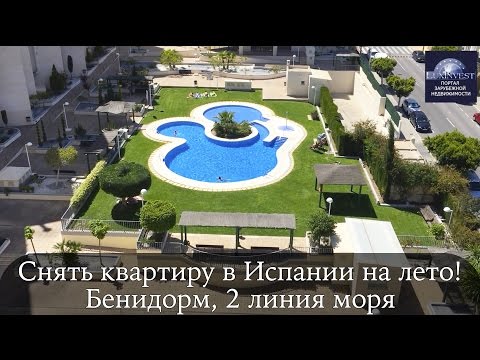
x=88 y=186
x=158 y=216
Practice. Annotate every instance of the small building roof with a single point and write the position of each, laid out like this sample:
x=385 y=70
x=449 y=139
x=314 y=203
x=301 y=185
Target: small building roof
x=334 y=174
x=241 y=220
x=116 y=107
x=375 y=242
x=13 y=173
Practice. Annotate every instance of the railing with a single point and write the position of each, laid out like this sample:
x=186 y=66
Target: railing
x=314 y=250
x=114 y=226
x=149 y=245
x=414 y=240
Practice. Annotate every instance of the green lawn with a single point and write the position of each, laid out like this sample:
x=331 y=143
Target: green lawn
x=294 y=194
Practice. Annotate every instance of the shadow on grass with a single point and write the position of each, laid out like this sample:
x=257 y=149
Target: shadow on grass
x=349 y=204
x=129 y=212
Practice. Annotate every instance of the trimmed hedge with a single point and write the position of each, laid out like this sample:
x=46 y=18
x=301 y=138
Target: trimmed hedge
x=88 y=185
x=124 y=179
x=346 y=144
x=158 y=216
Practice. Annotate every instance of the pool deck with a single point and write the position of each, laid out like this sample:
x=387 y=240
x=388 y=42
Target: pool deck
x=275 y=125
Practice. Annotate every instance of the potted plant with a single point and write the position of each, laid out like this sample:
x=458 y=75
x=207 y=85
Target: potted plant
x=322 y=226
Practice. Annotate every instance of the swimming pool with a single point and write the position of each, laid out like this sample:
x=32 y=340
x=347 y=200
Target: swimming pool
x=205 y=159
x=240 y=113
x=190 y=156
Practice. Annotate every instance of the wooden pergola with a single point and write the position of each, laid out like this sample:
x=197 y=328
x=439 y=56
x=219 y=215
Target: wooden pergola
x=335 y=174
x=237 y=221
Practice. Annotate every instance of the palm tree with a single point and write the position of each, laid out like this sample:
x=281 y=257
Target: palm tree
x=99 y=229
x=68 y=251
x=470 y=278
x=28 y=234
x=227 y=57
x=225 y=116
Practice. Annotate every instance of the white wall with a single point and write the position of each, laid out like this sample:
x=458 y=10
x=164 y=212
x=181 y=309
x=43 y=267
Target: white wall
x=342 y=82
x=297 y=82
x=78 y=56
x=373 y=104
x=28 y=71
x=47 y=56
x=13 y=87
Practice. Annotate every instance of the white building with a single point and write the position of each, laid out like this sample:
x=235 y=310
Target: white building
x=307 y=52
x=26 y=70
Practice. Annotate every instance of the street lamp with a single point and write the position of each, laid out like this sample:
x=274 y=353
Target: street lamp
x=118 y=147
x=27 y=145
x=329 y=201
x=286 y=119
x=294 y=56
x=314 y=94
x=446 y=209
x=66 y=103
x=143 y=192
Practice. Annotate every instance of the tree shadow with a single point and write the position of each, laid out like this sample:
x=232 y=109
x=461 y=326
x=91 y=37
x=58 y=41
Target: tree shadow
x=126 y=212
x=349 y=204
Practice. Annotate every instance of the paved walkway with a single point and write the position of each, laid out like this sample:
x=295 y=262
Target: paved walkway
x=353 y=111
x=272 y=89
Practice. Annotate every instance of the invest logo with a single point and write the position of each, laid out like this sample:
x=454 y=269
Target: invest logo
x=451 y=76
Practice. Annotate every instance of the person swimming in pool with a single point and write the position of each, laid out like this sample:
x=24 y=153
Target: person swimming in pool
x=175 y=133
x=220 y=179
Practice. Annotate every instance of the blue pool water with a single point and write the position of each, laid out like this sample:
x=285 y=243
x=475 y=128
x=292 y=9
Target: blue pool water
x=202 y=159
x=240 y=113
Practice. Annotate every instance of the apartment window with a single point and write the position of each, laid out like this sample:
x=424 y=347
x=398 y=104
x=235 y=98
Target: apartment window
x=302 y=82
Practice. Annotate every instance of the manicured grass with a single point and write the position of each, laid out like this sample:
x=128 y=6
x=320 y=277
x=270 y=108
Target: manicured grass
x=294 y=194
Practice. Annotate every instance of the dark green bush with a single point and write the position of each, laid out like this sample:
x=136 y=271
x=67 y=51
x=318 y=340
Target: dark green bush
x=58 y=81
x=158 y=216
x=124 y=179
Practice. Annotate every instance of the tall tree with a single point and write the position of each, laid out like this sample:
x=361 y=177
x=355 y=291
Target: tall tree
x=227 y=57
x=171 y=57
x=215 y=60
x=28 y=234
x=470 y=278
x=401 y=86
x=383 y=66
x=59 y=157
x=39 y=139
x=44 y=133
x=70 y=65
x=455 y=149
x=98 y=229
x=389 y=160
x=64 y=127
x=446 y=48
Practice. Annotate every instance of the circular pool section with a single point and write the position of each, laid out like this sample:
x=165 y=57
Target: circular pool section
x=240 y=113
x=204 y=159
